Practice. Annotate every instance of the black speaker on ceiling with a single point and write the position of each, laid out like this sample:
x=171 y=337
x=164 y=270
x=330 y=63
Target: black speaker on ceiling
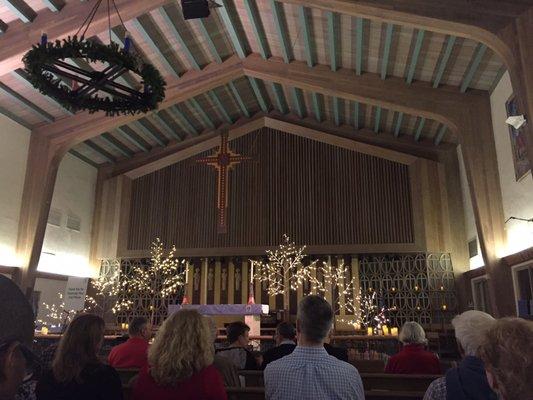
x=193 y=9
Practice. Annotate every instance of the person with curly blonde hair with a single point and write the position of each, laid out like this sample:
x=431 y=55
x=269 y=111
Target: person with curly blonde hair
x=180 y=362
x=508 y=355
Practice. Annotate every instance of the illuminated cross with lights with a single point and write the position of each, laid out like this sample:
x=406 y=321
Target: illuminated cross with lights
x=223 y=161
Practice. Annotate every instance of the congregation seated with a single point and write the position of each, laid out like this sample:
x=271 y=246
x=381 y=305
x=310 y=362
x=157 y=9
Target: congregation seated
x=468 y=380
x=413 y=358
x=507 y=352
x=309 y=372
x=237 y=351
x=76 y=372
x=225 y=367
x=134 y=352
x=285 y=343
x=180 y=362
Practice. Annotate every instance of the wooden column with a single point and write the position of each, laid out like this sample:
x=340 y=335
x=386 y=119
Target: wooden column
x=245 y=283
x=217 y=283
x=41 y=173
x=357 y=282
x=111 y=217
x=481 y=164
x=203 y=284
x=231 y=282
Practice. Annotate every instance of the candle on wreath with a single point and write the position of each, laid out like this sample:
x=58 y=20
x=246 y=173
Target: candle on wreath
x=394 y=331
x=369 y=331
x=44 y=38
x=44 y=330
x=127 y=42
x=385 y=330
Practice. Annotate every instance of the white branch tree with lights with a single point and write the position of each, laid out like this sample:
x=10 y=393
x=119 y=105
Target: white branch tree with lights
x=160 y=280
x=284 y=272
x=106 y=290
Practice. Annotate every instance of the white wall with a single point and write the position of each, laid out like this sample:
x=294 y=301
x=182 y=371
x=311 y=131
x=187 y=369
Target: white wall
x=517 y=196
x=66 y=251
x=14 y=144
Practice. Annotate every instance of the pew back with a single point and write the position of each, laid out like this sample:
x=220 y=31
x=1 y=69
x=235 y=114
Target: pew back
x=259 y=394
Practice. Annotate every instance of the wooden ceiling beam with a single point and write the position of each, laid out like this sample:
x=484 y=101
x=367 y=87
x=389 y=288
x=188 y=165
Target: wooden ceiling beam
x=477 y=20
x=21 y=9
x=403 y=150
x=445 y=105
x=20 y=37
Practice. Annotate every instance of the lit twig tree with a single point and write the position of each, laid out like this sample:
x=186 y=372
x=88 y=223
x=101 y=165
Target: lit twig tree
x=106 y=290
x=56 y=315
x=155 y=283
x=284 y=270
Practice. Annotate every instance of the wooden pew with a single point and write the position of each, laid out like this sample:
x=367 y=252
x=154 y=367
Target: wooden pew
x=259 y=394
x=369 y=365
x=371 y=381
x=397 y=382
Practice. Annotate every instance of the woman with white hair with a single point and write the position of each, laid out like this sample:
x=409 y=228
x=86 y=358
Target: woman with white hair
x=468 y=381
x=180 y=362
x=413 y=358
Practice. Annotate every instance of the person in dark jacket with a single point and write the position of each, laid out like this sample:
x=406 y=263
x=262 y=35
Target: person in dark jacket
x=76 y=372
x=468 y=381
x=285 y=343
x=237 y=351
x=413 y=358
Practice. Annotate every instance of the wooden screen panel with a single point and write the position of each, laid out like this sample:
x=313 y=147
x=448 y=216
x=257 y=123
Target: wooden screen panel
x=317 y=193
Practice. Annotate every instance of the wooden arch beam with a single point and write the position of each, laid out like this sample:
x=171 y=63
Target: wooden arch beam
x=20 y=37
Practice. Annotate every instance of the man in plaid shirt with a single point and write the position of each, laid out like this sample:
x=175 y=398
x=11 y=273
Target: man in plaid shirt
x=309 y=372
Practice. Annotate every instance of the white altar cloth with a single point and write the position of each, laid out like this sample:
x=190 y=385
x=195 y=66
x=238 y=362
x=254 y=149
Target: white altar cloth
x=221 y=309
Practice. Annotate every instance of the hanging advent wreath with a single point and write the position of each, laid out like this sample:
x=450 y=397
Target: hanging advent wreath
x=97 y=83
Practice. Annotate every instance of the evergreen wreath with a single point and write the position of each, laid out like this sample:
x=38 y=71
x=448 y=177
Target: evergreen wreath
x=41 y=60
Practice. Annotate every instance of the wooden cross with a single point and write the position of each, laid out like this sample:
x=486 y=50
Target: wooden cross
x=224 y=160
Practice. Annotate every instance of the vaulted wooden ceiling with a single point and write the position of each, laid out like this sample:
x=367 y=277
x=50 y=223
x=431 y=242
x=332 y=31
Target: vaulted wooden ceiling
x=270 y=29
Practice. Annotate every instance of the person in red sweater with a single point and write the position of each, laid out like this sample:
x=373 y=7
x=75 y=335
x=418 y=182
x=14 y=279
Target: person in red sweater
x=413 y=358
x=134 y=352
x=180 y=362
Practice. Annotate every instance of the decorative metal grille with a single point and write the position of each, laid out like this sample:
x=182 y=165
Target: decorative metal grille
x=419 y=286
x=141 y=302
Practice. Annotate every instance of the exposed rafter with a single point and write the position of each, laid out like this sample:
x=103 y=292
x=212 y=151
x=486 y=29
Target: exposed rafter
x=359 y=25
x=169 y=131
x=210 y=44
x=261 y=99
x=232 y=30
x=450 y=42
x=386 y=50
x=81 y=157
x=117 y=145
x=398 y=125
x=356 y=115
x=419 y=129
x=440 y=135
x=377 y=120
x=177 y=35
x=130 y=135
x=102 y=152
x=7 y=91
x=257 y=26
x=21 y=9
x=15 y=118
x=54 y=5
x=239 y=99
x=201 y=112
x=303 y=16
x=140 y=126
x=297 y=96
x=414 y=57
x=3 y=27
x=281 y=28
x=280 y=98
x=317 y=106
x=220 y=107
x=183 y=121
x=473 y=67
x=162 y=58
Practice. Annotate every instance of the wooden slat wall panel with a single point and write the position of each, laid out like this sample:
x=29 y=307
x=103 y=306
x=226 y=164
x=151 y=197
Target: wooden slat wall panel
x=315 y=192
